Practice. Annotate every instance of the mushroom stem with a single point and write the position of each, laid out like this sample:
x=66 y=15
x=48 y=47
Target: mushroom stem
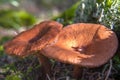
x=45 y=64
x=77 y=72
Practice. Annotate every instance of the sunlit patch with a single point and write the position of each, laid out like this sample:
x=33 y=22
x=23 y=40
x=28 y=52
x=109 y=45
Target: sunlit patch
x=69 y=44
x=79 y=59
x=81 y=49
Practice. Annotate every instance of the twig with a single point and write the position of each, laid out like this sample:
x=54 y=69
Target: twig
x=104 y=69
x=64 y=77
x=54 y=75
x=67 y=78
x=106 y=78
x=48 y=77
x=83 y=74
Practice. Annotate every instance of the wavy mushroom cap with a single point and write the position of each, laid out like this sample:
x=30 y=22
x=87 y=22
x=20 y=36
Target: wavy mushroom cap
x=33 y=39
x=84 y=44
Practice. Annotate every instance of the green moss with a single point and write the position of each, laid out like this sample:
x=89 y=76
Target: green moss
x=67 y=16
x=15 y=19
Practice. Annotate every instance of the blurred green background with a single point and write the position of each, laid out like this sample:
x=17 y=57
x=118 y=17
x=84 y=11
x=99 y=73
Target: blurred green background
x=20 y=15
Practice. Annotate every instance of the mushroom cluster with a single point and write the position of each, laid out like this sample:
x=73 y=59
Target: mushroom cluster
x=82 y=44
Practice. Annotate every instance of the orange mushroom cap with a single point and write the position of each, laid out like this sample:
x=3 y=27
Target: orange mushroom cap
x=33 y=39
x=83 y=44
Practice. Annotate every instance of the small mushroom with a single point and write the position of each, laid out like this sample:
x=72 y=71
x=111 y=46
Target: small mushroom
x=33 y=40
x=83 y=45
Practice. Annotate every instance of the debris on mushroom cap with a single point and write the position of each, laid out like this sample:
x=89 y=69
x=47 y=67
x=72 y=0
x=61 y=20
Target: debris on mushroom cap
x=84 y=44
x=33 y=39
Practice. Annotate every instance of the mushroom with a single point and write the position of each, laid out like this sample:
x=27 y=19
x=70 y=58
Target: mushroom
x=83 y=45
x=33 y=40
